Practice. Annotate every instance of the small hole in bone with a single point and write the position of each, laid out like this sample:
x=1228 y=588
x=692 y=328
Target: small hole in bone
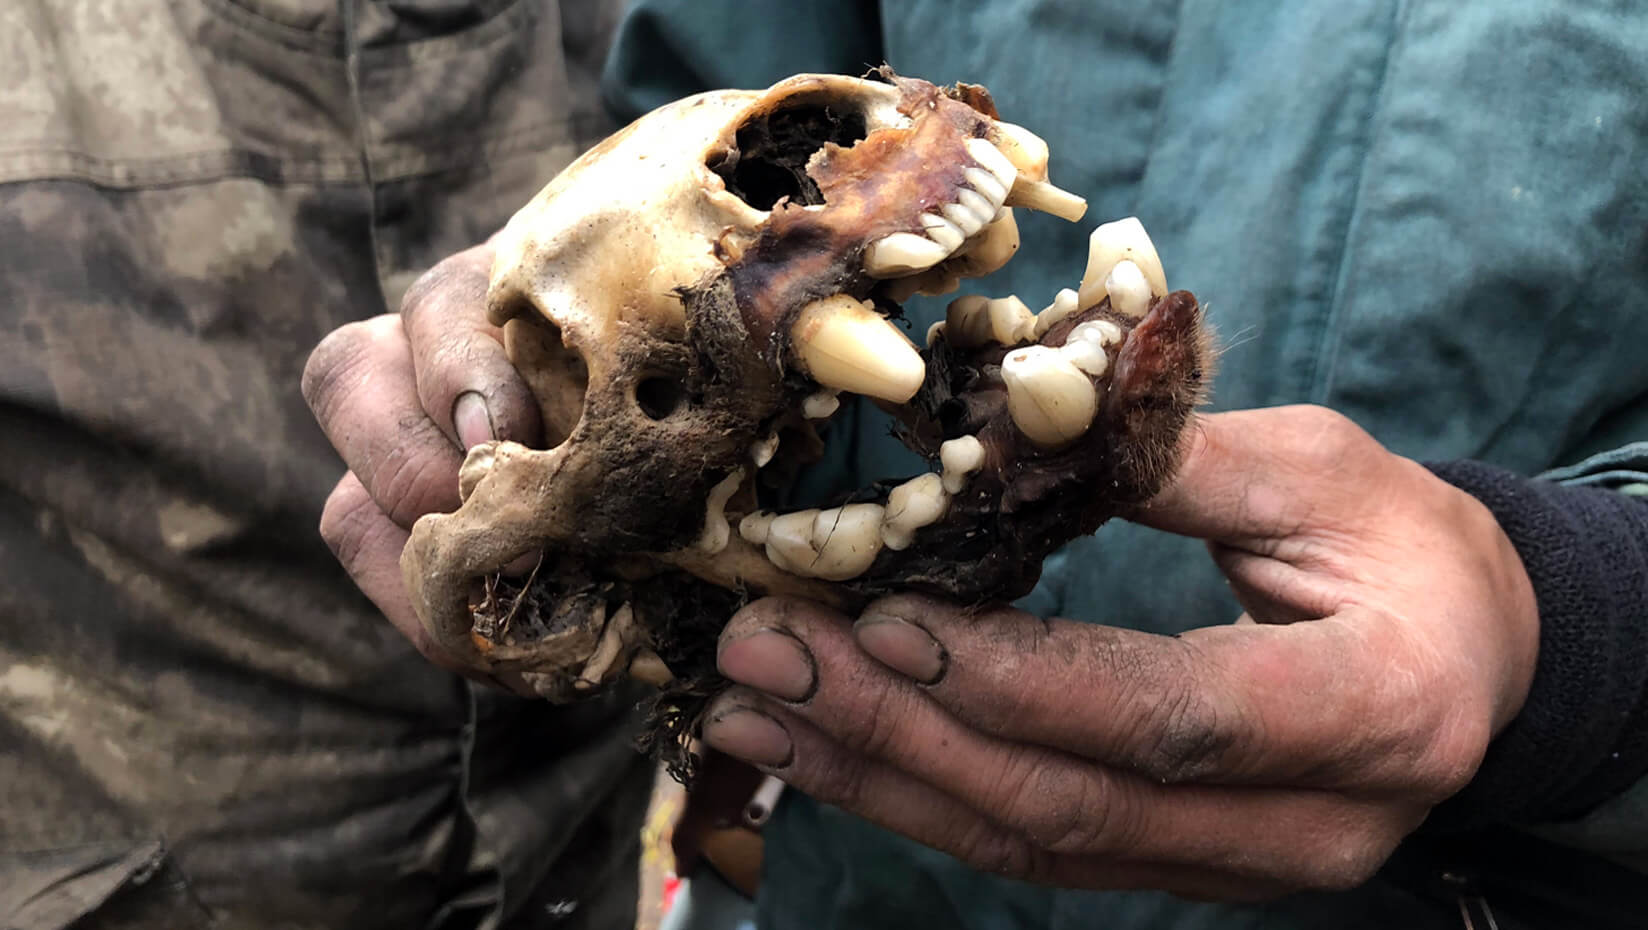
x=658 y=396
x=773 y=148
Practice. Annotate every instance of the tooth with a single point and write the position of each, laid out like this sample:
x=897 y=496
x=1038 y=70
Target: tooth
x=934 y=332
x=916 y=503
x=960 y=457
x=790 y=542
x=1064 y=304
x=1103 y=333
x=1088 y=356
x=847 y=539
x=847 y=346
x=1011 y=322
x=756 y=527
x=1050 y=400
x=942 y=231
x=985 y=183
x=994 y=161
x=963 y=216
x=1046 y=198
x=967 y=321
x=902 y=253
x=1023 y=148
x=1129 y=291
x=606 y=650
x=716 y=532
x=992 y=249
x=1114 y=242
x=979 y=205
x=820 y=405
x=648 y=667
x=763 y=450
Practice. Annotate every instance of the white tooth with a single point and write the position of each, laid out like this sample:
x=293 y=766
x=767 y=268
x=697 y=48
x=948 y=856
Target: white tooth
x=934 y=332
x=901 y=254
x=1129 y=291
x=1011 y=322
x=942 y=231
x=847 y=346
x=960 y=457
x=992 y=249
x=1114 y=242
x=967 y=321
x=916 y=503
x=1064 y=304
x=790 y=542
x=994 y=161
x=980 y=206
x=763 y=450
x=756 y=527
x=1102 y=333
x=1088 y=356
x=1044 y=197
x=985 y=183
x=963 y=216
x=716 y=532
x=847 y=539
x=820 y=405
x=1051 y=400
x=1023 y=148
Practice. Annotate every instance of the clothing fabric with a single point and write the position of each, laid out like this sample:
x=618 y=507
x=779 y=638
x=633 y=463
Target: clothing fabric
x=1428 y=216
x=202 y=722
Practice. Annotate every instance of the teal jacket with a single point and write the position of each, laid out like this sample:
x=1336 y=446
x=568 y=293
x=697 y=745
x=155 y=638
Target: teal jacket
x=1430 y=216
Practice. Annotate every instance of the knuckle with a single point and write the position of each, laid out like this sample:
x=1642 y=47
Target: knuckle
x=333 y=362
x=1342 y=866
x=347 y=521
x=997 y=852
x=1063 y=811
x=1182 y=735
x=462 y=275
x=413 y=479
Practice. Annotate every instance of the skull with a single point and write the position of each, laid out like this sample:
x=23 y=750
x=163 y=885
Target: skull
x=686 y=303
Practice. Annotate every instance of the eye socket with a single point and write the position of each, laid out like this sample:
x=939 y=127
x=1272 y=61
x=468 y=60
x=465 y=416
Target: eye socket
x=659 y=396
x=770 y=161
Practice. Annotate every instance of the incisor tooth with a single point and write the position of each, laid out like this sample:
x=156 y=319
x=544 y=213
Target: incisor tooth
x=994 y=161
x=756 y=527
x=1044 y=197
x=847 y=539
x=820 y=405
x=716 y=532
x=1011 y=322
x=790 y=542
x=847 y=346
x=916 y=503
x=763 y=450
x=965 y=218
x=1064 y=304
x=985 y=183
x=1051 y=401
x=902 y=253
x=978 y=204
x=1122 y=240
x=1102 y=333
x=960 y=457
x=1129 y=291
x=942 y=231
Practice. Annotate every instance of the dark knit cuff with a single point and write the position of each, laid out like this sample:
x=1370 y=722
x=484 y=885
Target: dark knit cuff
x=1582 y=736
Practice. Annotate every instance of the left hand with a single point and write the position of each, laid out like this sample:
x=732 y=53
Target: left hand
x=1396 y=634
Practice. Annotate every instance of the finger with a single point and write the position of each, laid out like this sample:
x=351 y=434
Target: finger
x=465 y=380
x=742 y=722
x=1337 y=703
x=359 y=383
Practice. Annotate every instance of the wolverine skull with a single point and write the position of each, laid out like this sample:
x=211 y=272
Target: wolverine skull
x=688 y=300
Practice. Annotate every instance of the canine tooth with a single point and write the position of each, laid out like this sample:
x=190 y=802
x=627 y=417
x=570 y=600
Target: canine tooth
x=902 y=253
x=985 y=183
x=1044 y=197
x=1023 y=148
x=790 y=542
x=756 y=527
x=963 y=216
x=1129 y=291
x=847 y=539
x=1086 y=355
x=960 y=457
x=716 y=532
x=1064 y=304
x=1123 y=239
x=1102 y=333
x=820 y=405
x=847 y=346
x=994 y=161
x=942 y=231
x=967 y=321
x=1011 y=322
x=916 y=503
x=763 y=450
x=1051 y=401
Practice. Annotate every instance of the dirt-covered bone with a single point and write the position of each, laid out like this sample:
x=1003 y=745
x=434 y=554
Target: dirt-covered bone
x=688 y=301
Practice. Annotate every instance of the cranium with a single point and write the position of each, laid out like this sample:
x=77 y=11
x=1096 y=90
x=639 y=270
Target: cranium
x=688 y=300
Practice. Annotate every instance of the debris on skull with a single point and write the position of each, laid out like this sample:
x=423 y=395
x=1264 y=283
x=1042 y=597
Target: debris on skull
x=689 y=300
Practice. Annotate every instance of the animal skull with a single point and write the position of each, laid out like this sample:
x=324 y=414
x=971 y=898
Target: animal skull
x=687 y=300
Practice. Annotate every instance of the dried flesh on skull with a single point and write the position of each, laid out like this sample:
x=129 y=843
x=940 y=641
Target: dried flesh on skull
x=689 y=300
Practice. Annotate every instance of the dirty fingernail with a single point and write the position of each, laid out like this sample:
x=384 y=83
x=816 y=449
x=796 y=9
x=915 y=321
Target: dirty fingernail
x=749 y=735
x=901 y=646
x=772 y=661
x=472 y=420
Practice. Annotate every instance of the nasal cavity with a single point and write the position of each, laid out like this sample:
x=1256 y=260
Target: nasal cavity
x=769 y=162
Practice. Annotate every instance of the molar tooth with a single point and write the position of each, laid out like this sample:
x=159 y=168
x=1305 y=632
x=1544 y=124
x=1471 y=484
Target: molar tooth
x=902 y=253
x=790 y=542
x=820 y=405
x=960 y=457
x=1086 y=355
x=1064 y=304
x=1102 y=333
x=757 y=526
x=1129 y=291
x=1044 y=197
x=994 y=161
x=716 y=532
x=916 y=503
x=1011 y=322
x=847 y=539
x=763 y=450
x=1111 y=243
x=847 y=346
x=942 y=231
x=1051 y=401
x=985 y=183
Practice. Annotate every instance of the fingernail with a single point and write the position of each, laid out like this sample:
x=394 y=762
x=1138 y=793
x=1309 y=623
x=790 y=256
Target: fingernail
x=749 y=735
x=769 y=660
x=472 y=420
x=902 y=646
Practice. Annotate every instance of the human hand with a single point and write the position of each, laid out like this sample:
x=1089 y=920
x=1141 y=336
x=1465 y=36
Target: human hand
x=1396 y=633
x=402 y=397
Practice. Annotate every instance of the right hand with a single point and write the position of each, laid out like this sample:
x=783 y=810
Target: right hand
x=402 y=398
